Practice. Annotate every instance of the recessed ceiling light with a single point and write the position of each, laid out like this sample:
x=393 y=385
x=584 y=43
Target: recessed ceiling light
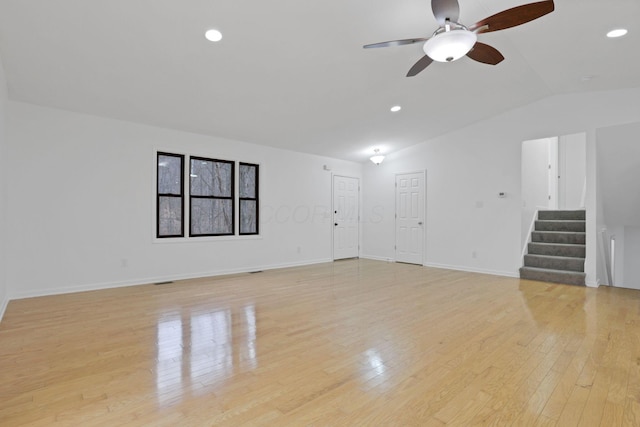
x=616 y=33
x=213 y=35
x=396 y=108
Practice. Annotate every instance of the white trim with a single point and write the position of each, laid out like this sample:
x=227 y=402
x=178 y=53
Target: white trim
x=529 y=240
x=474 y=270
x=203 y=239
x=152 y=280
x=377 y=258
x=592 y=284
x=3 y=307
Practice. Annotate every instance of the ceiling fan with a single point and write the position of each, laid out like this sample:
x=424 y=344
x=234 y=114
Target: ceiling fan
x=452 y=40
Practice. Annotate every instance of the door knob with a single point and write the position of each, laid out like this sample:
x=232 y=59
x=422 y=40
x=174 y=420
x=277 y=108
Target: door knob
x=335 y=223
x=420 y=223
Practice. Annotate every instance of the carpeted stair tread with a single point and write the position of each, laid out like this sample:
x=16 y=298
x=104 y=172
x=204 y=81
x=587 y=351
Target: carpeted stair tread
x=567 y=237
x=568 y=215
x=554 y=276
x=557 y=249
x=560 y=225
x=554 y=262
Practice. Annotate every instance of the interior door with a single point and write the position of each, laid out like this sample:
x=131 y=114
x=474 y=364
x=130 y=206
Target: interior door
x=410 y=217
x=346 y=213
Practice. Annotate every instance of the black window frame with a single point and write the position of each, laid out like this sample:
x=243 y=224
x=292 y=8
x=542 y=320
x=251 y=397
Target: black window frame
x=231 y=197
x=256 y=199
x=172 y=195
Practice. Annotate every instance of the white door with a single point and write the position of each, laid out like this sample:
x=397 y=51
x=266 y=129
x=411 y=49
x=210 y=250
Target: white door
x=410 y=217
x=346 y=211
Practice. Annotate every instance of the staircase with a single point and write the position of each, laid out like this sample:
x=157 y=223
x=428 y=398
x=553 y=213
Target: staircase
x=557 y=249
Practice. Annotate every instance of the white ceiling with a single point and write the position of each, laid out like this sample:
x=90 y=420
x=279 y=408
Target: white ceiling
x=293 y=74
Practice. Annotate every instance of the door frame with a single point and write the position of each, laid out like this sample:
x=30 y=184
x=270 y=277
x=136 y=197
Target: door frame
x=424 y=213
x=333 y=209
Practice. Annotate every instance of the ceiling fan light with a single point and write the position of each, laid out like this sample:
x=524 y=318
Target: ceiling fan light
x=448 y=46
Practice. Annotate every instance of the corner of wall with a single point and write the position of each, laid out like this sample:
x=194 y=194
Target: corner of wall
x=4 y=298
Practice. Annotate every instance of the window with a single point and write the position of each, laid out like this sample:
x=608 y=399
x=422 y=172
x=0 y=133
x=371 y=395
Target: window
x=248 y=189
x=170 y=201
x=211 y=197
x=214 y=205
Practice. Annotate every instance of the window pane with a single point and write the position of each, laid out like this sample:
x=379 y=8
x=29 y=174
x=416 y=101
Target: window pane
x=248 y=181
x=211 y=216
x=169 y=174
x=169 y=216
x=248 y=217
x=211 y=178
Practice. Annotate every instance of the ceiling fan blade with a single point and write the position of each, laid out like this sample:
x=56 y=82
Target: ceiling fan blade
x=393 y=43
x=445 y=9
x=422 y=63
x=486 y=54
x=513 y=17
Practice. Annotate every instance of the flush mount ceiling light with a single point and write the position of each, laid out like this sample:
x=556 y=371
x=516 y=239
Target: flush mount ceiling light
x=213 y=35
x=377 y=158
x=619 y=32
x=449 y=44
x=396 y=108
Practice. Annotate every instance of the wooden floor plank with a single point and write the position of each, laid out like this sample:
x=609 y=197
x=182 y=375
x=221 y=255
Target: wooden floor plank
x=356 y=342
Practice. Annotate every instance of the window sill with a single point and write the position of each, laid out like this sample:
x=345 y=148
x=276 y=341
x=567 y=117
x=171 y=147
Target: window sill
x=207 y=239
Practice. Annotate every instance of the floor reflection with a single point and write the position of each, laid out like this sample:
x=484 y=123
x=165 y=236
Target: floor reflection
x=375 y=361
x=202 y=350
x=552 y=306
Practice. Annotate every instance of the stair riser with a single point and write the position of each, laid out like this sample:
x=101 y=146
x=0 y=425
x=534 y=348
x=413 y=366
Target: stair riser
x=568 y=279
x=577 y=251
x=562 y=215
x=567 y=238
x=560 y=226
x=576 y=264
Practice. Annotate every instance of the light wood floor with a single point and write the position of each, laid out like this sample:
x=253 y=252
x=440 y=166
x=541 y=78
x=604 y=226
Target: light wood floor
x=351 y=343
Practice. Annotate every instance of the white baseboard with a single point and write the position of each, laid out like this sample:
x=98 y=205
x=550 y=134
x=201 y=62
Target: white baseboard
x=377 y=258
x=514 y=274
x=158 y=279
x=3 y=306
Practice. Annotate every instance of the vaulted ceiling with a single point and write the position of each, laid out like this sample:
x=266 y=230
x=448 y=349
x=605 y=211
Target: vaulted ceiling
x=293 y=73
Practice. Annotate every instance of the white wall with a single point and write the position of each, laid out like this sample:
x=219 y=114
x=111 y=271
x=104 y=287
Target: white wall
x=467 y=169
x=3 y=163
x=81 y=205
x=618 y=176
x=618 y=151
x=631 y=272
